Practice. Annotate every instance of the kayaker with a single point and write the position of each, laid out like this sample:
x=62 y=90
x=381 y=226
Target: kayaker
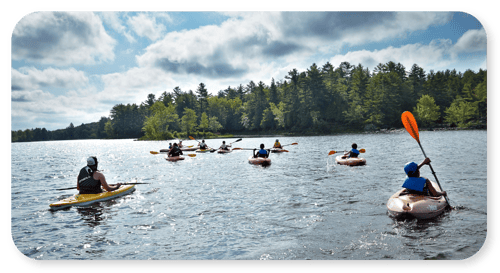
x=353 y=152
x=175 y=151
x=203 y=145
x=277 y=145
x=262 y=152
x=170 y=146
x=90 y=179
x=419 y=185
x=224 y=146
x=180 y=144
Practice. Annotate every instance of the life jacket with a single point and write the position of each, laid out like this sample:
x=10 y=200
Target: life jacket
x=277 y=145
x=262 y=153
x=87 y=183
x=203 y=146
x=175 y=151
x=415 y=183
x=224 y=147
x=353 y=153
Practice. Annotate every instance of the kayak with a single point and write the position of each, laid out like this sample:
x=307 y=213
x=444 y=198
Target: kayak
x=174 y=158
x=278 y=150
x=353 y=161
x=405 y=205
x=259 y=161
x=89 y=199
x=203 y=150
x=221 y=151
x=164 y=150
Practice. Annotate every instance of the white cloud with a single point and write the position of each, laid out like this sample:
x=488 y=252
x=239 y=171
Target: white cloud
x=437 y=55
x=62 y=38
x=29 y=78
x=472 y=41
x=146 y=26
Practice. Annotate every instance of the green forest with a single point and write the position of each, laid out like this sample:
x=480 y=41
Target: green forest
x=320 y=100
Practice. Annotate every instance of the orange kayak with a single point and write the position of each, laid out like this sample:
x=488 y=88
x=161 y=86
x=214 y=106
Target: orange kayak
x=259 y=161
x=402 y=205
x=174 y=158
x=353 y=161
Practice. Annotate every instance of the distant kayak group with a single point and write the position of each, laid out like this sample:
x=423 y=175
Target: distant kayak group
x=419 y=197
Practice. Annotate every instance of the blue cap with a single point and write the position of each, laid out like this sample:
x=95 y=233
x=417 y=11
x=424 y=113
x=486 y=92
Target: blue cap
x=410 y=167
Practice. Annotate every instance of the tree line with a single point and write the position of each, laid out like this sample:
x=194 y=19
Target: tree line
x=320 y=100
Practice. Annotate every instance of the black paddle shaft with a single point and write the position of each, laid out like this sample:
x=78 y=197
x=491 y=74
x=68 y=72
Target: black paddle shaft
x=433 y=172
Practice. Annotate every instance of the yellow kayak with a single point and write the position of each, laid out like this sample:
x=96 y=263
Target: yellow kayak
x=88 y=199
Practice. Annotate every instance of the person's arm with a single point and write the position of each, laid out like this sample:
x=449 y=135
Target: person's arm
x=104 y=184
x=433 y=191
x=77 y=184
x=426 y=161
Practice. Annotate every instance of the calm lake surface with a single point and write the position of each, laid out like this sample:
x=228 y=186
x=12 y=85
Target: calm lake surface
x=218 y=206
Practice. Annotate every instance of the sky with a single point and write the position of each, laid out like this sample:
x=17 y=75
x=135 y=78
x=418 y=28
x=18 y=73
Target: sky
x=73 y=67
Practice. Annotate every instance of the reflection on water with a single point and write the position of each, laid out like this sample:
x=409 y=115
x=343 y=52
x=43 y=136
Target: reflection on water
x=218 y=206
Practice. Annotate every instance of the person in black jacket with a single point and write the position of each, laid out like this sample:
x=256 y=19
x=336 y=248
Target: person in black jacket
x=90 y=180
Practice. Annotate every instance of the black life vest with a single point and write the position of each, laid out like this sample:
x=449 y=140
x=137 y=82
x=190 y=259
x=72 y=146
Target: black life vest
x=87 y=183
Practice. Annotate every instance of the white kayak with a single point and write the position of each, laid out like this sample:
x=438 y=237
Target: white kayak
x=403 y=205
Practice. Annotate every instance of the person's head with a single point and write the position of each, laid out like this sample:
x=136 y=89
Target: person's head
x=277 y=140
x=203 y=141
x=180 y=141
x=175 y=144
x=92 y=163
x=170 y=144
x=223 y=142
x=262 y=146
x=411 y=169
x=354 y=146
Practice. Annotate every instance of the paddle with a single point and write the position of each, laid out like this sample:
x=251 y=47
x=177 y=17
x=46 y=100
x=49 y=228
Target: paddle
x=411 y=126
x=333 y=152
x=295 y=143
x=72 y=188
x=235 y=141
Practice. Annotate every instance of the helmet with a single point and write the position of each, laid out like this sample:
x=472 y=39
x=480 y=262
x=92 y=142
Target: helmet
x=410 y=167
x=92 y=161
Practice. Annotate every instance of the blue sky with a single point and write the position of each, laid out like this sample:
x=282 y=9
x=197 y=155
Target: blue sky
x=73 y=67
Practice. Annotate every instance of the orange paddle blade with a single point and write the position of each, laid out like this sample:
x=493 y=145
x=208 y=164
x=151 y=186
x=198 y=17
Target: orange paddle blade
x=410 y=124
x=191 y=155
x=362 y=150
x=154 y=153
x=332 y=152
x=190 y=137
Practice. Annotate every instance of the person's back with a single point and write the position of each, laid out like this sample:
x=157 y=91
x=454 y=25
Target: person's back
x=175 y=151
x=277 y=144
x=86 y=182
x=203 y=145
x=262 y=152
x=354 y=151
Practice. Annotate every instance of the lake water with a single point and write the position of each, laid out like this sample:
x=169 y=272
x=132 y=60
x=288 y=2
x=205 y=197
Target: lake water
x=218 y=206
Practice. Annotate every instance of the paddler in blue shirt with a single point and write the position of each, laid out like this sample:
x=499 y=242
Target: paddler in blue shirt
x=353 y=152
x=416 y=184
x=90 y=179
x=262 y=152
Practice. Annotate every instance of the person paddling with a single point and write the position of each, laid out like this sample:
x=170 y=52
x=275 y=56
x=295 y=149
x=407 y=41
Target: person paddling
x=224 y=146
x=175 y=151
x=203 y=145
x=180 y=144
x=277 y=145
x=353 y=152
x=90 y=180
x=261 y=153
x=419 y=185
